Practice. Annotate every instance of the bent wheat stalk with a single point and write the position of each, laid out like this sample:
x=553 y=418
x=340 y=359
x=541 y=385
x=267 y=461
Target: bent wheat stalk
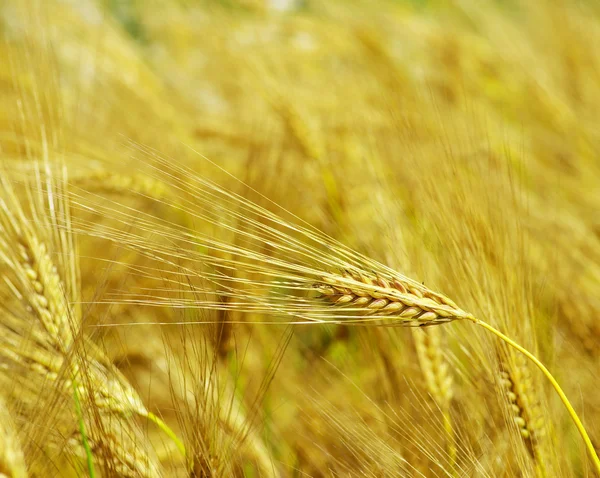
x=284 y=268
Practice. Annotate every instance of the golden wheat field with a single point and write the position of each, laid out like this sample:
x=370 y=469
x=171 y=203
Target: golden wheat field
x=299 y=238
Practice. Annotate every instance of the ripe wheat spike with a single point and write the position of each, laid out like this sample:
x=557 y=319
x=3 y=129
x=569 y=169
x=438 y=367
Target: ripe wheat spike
x=400 y=300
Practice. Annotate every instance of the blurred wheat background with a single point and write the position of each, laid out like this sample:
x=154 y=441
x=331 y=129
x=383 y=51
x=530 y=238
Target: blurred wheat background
x=154 y=157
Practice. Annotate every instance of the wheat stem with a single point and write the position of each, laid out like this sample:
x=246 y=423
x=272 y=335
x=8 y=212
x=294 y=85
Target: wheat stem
x=170 y=433
x=550 y=377
x=86 y=444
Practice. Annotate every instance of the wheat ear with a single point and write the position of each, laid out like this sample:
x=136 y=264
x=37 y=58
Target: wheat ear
x=438 y=379
x=517 y=385
x=394 y=298
x=115 y=183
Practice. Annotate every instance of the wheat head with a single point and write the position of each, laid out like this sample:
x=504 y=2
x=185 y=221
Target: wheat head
x=401 y=301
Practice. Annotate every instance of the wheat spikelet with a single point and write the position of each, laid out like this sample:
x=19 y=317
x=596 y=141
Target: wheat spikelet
x=12 y=462
x=398 y=299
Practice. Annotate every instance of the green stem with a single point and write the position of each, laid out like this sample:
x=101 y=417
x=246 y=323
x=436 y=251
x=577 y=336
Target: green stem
x=170 y=433
x=86 y=444
x=561 y=394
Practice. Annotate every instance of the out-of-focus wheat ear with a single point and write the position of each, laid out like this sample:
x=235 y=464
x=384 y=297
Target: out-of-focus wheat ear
x=310 y=143
x=118 y=447
x=12 y=462
x=111 y=182
x=517 y=386
x=111 y=390
x=23 y=347
x=396 y=299
x=35 y=278
x=253 y=445
x=435 y=368
x=306 y=137
x=438 y=378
